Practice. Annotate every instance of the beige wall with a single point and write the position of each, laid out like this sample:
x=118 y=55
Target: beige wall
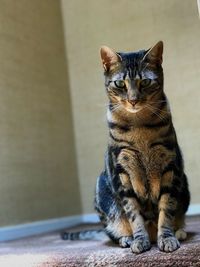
x=38 y=177
x=130 y=25
x=43 y=93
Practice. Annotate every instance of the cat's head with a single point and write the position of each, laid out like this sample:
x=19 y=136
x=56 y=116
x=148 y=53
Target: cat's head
x=135 y=79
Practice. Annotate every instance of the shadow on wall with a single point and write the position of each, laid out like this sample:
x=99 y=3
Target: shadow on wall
x=38 y=172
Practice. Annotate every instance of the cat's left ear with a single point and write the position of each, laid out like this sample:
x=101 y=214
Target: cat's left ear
x=155 y=53
x=109 y=57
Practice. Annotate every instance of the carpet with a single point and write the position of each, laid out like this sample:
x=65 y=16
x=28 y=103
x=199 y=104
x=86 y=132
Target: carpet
x=50 y=251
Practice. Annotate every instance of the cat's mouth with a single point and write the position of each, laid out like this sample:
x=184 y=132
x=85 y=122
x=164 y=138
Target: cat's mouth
x=133 y=110
x=132 y=106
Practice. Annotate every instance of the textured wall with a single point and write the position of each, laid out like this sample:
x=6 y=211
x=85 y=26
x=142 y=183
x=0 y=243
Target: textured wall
x=131 y=25
x=38 y=178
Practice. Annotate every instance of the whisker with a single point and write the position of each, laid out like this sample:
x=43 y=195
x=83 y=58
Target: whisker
x=157 y=113
x=158 y=101
x=158 y=109
x=152 y=109
x=114 y=107
x=162 y=112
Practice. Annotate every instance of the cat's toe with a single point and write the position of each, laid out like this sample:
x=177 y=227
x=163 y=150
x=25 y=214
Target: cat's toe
x=140 y=245
x=181 y=234
x=125 y=241
x=168 y=244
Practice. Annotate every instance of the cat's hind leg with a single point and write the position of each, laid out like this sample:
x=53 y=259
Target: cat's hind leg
x=119 y=231
x=120 y=216
x=111 y=215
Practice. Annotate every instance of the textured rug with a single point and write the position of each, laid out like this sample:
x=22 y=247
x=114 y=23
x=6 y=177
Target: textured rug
x=50 y=251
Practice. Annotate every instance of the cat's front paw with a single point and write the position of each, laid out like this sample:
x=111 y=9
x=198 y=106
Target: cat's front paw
x=168 y=244
x=125 y=241
x=140 y=245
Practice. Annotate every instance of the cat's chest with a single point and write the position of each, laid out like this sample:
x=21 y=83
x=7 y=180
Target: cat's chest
x=142 y=138
x=139 y=138
x=143 y=159
x=138 y=141
x=144 y=164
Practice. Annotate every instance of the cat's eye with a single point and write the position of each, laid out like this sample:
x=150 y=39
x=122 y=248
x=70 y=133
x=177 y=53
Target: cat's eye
x=145 y=82
x=120 y=84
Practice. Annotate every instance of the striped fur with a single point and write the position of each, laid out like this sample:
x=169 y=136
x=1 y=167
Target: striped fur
x=84 y=235
x=142 y=194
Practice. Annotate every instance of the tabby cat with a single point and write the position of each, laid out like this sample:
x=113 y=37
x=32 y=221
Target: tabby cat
x=142 y=194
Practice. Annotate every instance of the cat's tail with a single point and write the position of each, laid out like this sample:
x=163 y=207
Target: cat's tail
x=85 y=235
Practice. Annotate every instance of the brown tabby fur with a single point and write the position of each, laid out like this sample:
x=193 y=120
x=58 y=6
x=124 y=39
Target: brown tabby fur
x=142 y=195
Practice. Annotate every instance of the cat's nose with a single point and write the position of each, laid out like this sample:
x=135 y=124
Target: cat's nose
x=133 y=101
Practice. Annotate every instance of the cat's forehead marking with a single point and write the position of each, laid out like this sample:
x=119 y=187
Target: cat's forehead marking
x=146 y=74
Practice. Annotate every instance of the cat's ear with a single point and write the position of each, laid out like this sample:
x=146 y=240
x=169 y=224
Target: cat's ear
x=155 y=53
x=109 y=57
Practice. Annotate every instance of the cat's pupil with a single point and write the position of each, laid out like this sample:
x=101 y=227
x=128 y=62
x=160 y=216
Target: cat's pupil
x=119 y=83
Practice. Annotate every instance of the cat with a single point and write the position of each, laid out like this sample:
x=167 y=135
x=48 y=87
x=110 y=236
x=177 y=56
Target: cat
x=142 y=195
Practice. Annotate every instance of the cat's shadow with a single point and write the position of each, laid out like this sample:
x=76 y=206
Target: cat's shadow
x=110 y=243
x=190 y=236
